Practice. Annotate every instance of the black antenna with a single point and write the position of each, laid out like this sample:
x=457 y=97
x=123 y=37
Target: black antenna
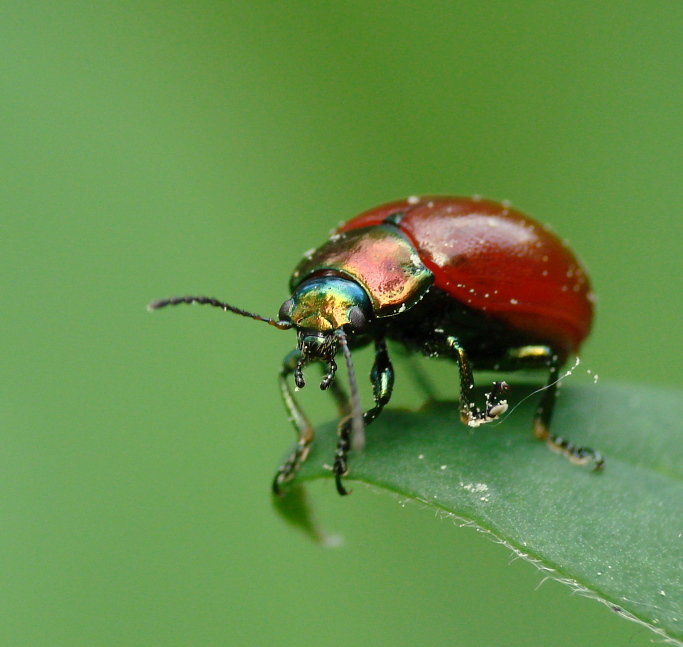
x=357 y=423
x=174 y=301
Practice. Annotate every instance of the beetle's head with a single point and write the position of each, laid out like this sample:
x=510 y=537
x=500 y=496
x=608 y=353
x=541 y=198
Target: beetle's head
x=321 y=306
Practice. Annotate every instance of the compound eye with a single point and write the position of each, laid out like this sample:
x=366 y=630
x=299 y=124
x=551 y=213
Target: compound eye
x=357 y=319
x=286 y=310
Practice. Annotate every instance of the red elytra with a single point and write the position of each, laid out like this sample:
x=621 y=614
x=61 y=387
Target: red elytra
x=496 y=259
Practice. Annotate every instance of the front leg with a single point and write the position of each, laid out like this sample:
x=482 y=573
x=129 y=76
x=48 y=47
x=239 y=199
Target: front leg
x=382 y=378
x=304 y=429
x=470 y=414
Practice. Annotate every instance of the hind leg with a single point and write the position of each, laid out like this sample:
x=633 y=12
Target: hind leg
x=535 y=356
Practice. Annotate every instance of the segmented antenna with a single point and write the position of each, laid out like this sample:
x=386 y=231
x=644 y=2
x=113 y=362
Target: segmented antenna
x=174 y=301
x=357 y=424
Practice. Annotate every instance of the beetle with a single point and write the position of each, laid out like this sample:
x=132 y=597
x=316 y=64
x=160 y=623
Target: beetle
x=465 y=278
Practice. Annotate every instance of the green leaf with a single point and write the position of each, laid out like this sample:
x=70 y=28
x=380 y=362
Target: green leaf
x=616 y=535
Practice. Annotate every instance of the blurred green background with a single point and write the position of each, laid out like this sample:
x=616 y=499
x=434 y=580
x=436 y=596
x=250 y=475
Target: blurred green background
x=152 y=149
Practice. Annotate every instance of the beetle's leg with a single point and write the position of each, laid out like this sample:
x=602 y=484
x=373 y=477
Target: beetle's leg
x=382 y=378
x=470 y=414
x=543 y=416
x=303 y=427
x=341 y=398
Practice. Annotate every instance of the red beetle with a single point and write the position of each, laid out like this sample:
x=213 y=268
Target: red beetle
x=465 y=278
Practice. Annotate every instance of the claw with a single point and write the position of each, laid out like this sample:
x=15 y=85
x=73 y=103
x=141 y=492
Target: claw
x=340 y=486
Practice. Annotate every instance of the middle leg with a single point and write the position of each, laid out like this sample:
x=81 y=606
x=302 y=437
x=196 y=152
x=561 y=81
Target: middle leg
x=494 y=406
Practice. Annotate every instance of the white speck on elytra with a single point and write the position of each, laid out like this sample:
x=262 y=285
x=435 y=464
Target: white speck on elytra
x=514 y=302
x=413 y=199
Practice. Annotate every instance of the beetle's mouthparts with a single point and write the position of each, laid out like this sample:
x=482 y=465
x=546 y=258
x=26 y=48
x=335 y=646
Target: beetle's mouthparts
x=315 y=345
